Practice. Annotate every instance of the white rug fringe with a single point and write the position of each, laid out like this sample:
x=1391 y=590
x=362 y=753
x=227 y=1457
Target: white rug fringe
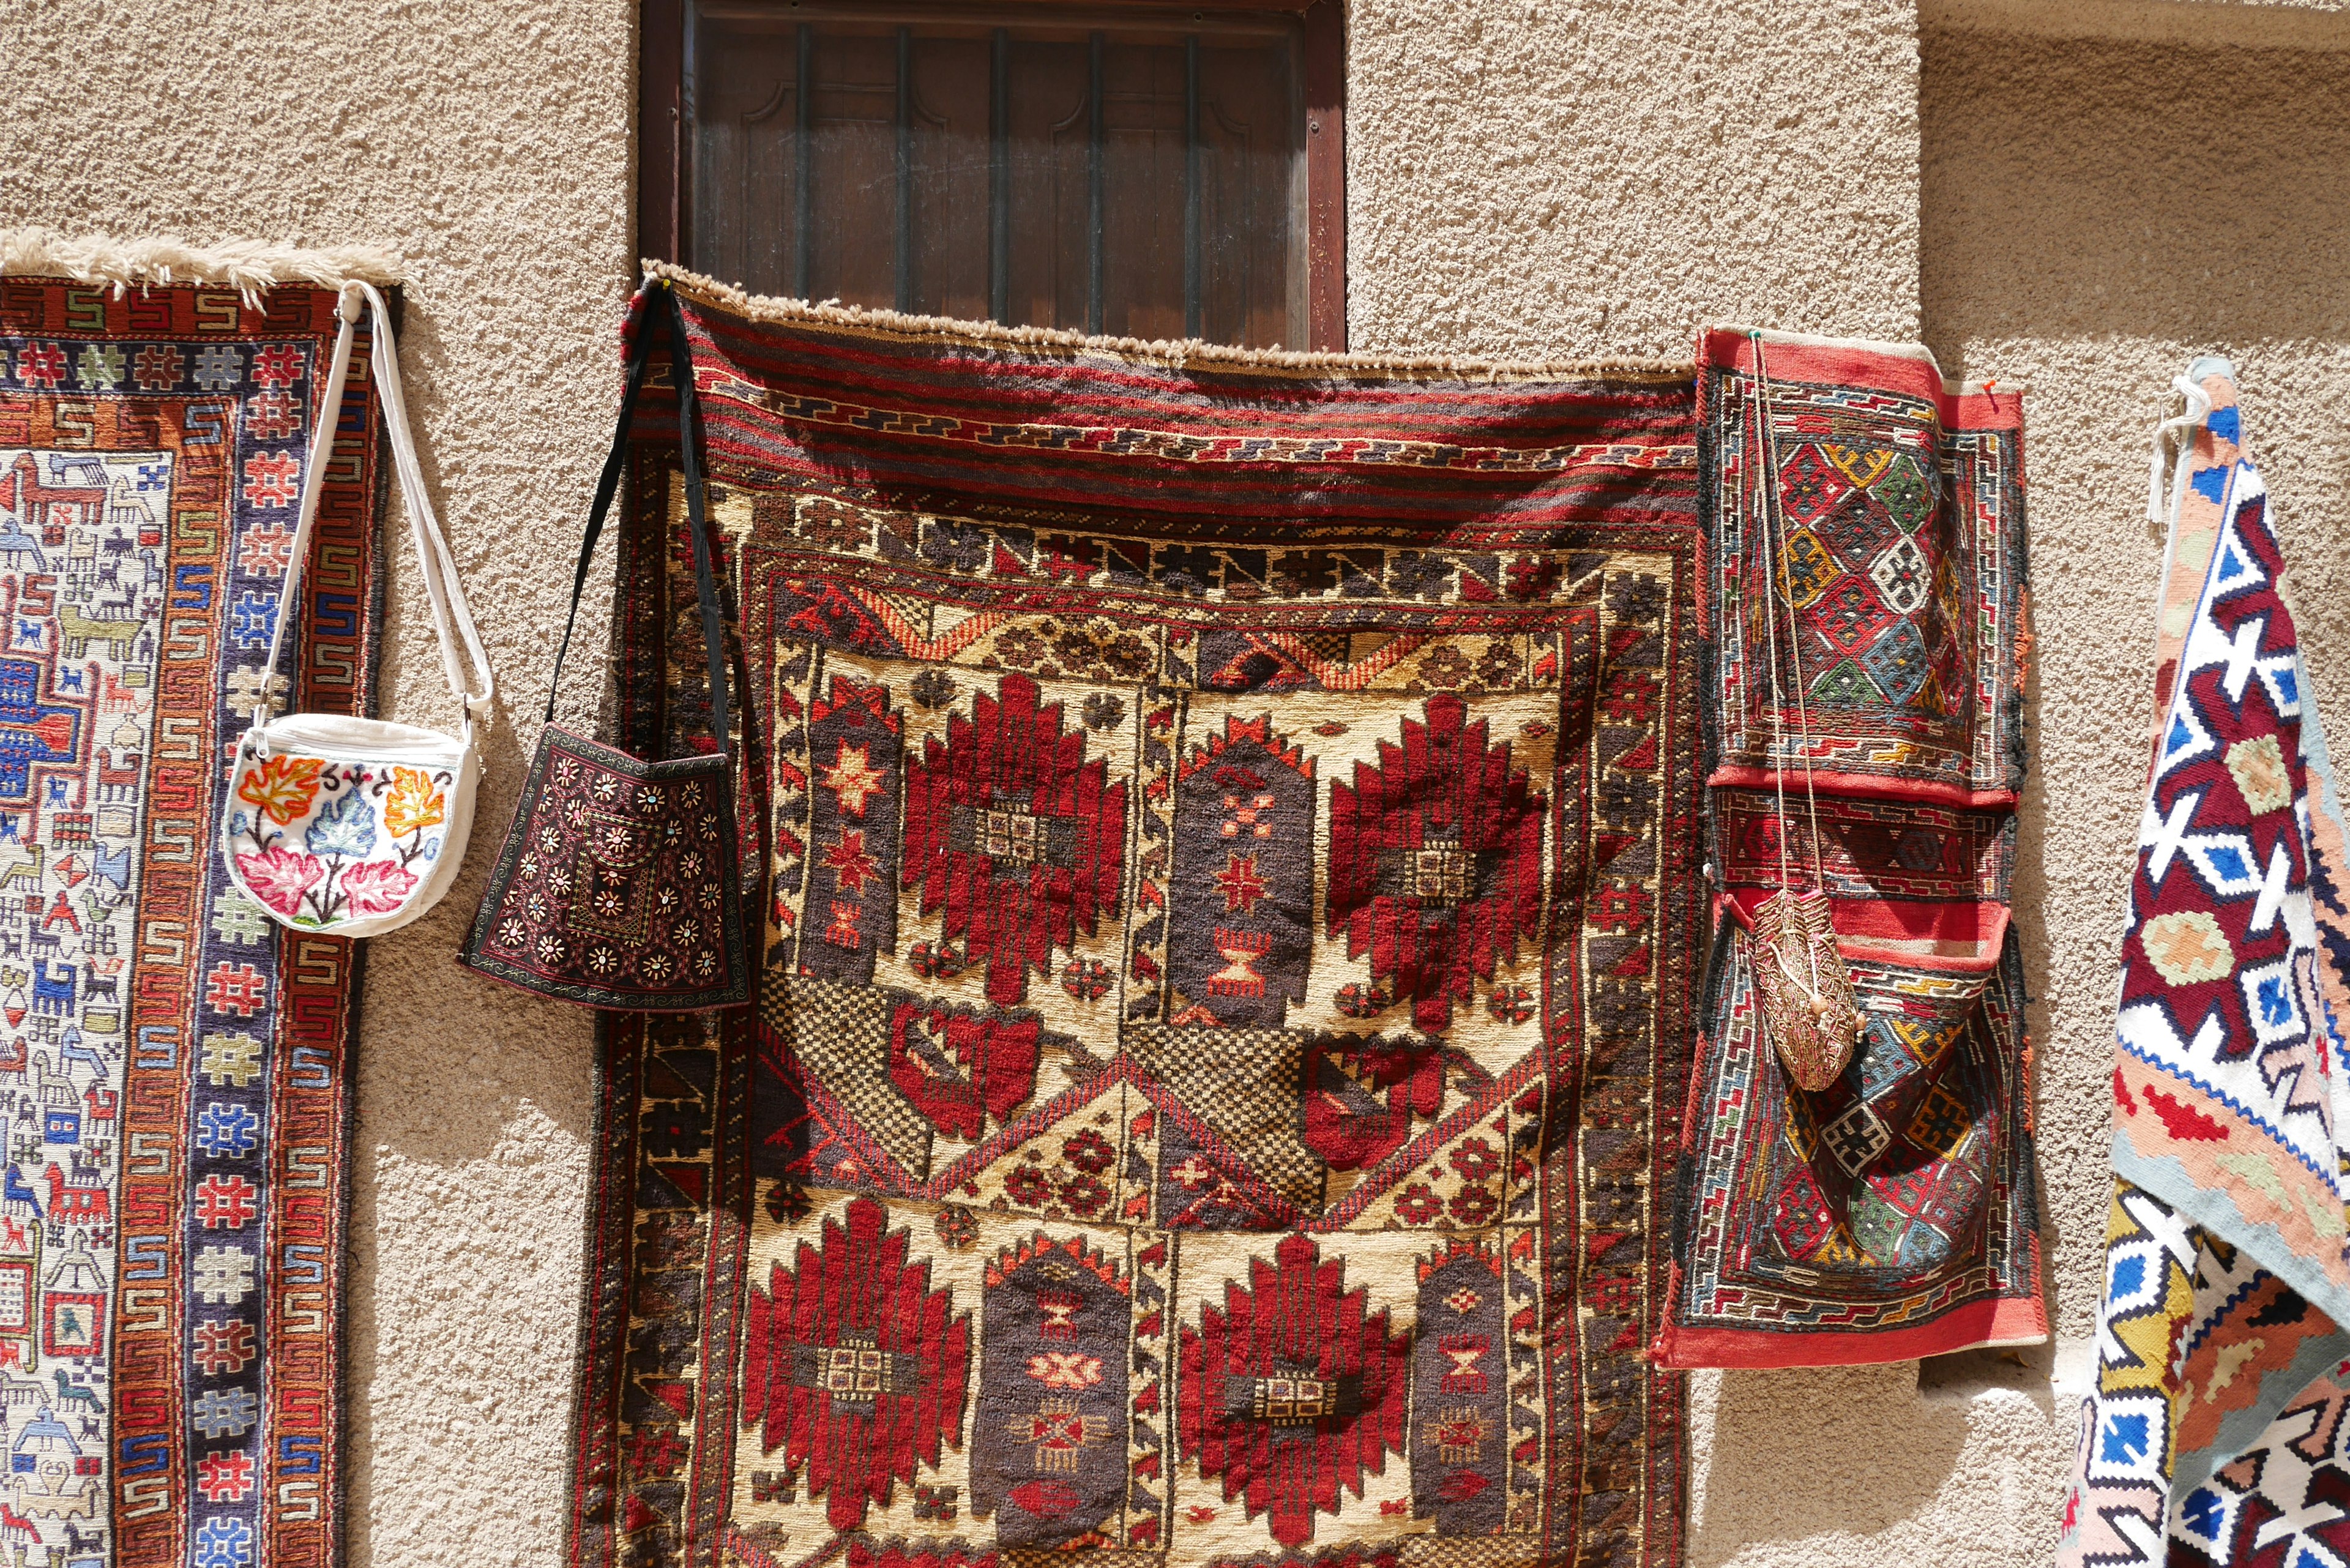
x=1177 y=351
x=249 y=266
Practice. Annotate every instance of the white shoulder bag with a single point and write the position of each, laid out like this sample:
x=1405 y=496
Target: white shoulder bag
x=352 y=825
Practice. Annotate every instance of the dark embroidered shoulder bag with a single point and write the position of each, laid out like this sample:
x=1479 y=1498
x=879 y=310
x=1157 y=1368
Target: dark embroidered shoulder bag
x=619 y=886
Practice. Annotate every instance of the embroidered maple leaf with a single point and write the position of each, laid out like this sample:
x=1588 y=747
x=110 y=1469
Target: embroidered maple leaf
x=377 y=887
x=282 y=788
x=279 y=878
x=413 y=804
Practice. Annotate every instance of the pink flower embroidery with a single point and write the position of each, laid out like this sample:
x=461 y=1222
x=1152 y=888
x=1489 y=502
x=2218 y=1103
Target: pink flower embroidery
x=377 y=887
x=279 y=878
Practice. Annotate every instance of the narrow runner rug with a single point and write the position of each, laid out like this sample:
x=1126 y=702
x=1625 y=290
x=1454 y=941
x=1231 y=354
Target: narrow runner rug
x=2215 y=1420
x=173 y=1189
x=1229 y=977
x=1891 y=1214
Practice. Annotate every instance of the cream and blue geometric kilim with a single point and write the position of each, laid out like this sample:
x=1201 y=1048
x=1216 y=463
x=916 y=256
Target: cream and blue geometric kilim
x=2226 y=1270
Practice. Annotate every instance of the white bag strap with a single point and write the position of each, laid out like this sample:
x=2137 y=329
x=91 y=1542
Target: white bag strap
x=451 y=617
x=306 y=510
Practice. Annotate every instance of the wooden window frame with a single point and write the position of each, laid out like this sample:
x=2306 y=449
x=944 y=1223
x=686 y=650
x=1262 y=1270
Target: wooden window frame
x=664 y=151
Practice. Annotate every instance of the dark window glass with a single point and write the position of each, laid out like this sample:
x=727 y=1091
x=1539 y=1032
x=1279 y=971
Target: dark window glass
x=1112 y=173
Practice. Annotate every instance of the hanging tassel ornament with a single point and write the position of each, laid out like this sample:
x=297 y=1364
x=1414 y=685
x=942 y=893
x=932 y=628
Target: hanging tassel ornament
x=1806 y=987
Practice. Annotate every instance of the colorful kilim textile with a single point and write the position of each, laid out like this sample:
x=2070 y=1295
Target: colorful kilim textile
x=173 y=1193
x=2286 y=1501
x=1228 y=991
x=1892 y=1213
x=1903 y=508
x=2226 y=1268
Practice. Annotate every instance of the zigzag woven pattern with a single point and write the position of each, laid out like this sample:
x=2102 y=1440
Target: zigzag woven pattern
x=1868 y=668
x=173 y=1067
x=2226 y=1268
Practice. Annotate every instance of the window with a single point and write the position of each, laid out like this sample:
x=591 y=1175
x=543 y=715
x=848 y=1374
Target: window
x=1135 y=169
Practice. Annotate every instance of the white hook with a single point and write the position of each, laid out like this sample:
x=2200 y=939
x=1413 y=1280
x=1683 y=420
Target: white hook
x=2199 y=409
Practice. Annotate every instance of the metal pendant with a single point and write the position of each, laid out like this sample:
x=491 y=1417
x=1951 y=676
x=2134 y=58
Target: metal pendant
x=1806 y=989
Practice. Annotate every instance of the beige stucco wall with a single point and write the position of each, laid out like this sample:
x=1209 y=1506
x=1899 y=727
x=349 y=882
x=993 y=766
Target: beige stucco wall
x=2073 y=193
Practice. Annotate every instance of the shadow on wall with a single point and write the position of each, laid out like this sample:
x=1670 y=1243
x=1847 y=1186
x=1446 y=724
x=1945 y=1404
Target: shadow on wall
x=1833 y=1451
x=2098 y=190
x=2092 y=212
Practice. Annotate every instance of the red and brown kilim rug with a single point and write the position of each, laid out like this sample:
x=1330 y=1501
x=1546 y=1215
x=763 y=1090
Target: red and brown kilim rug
x=1871 y=628
x=1227 y=969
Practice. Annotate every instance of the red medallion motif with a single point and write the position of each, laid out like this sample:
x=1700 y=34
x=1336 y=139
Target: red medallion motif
x=1015 y=835
x=852 y=1365
x=1293 y=1390
x=1436 y=860
x=1360 y=1095
x=959 y=1068
x=1023 y=663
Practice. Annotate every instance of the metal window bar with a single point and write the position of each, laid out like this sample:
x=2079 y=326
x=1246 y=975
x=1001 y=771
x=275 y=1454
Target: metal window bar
x=673 y=103
x=1194 y=264
x=999 y=178
x=1095 y=135
x=803 y=199
x=905 y=256
x=998 y=184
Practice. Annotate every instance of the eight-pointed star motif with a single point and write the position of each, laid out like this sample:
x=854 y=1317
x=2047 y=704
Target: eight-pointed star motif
x=853 y=778
x=851 y=866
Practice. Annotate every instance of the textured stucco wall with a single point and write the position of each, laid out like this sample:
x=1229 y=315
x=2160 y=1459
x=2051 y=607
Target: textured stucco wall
x=1538 y=177
x=2301 y=25
x=2093 y=210
x=2076 y=194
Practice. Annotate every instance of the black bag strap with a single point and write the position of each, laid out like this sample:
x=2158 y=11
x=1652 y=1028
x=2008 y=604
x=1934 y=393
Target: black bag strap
x=659 y=299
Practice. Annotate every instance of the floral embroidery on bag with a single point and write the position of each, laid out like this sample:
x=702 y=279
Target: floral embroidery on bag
x=416 y=804
x=280 y=877
x=377 y=888
x=282 y=787
x=330 y=842
x=616 y=884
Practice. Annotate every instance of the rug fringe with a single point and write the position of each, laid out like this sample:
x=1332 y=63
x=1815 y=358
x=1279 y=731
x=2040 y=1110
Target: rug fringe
x=1163 y=351
x=249 y=266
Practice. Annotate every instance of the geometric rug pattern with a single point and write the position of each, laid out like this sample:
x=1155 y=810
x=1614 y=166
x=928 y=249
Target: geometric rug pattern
x=173 y=1067
x=1229 y=941
x=1869 y=619
x=2211 y=1423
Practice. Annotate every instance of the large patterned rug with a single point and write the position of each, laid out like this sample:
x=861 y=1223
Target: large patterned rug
x=172 y=1067
x=1229 y=968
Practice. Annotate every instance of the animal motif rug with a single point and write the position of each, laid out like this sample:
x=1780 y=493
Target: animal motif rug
x=1869 y=631
x=173 y=1069
x=2221 y=1363
x=1229 y=967
x=172 y=1220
